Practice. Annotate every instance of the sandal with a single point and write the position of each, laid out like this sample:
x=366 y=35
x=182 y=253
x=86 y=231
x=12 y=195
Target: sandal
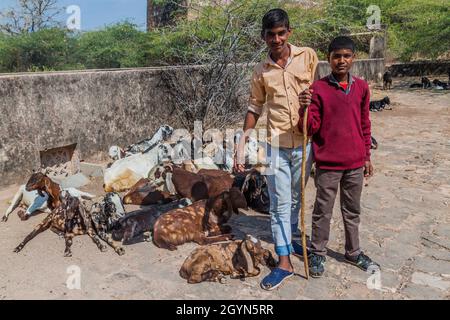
x=275 y=278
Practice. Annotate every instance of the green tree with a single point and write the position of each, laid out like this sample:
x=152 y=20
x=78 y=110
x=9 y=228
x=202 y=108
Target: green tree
x=47 y=49
x=117 y=46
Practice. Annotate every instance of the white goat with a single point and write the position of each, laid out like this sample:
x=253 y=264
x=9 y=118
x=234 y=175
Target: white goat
x=35 y=202
x=124 y=173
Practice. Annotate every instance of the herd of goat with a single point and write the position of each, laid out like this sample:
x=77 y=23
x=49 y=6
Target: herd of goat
x=179 y=205
x=425 y=83
x=198 y=211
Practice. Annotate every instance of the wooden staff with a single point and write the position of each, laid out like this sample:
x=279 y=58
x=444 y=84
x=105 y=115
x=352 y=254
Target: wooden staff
x=303 y=187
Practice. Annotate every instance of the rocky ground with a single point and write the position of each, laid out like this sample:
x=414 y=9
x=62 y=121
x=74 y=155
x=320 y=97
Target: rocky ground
x=405 y=227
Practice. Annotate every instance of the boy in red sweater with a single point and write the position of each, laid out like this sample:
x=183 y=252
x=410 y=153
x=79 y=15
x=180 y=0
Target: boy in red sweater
x=338 y=121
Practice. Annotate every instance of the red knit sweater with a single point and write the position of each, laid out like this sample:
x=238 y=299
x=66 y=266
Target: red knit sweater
x=339 y=122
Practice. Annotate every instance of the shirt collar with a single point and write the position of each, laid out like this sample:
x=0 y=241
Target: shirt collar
x=295 y=51
x=332 y=79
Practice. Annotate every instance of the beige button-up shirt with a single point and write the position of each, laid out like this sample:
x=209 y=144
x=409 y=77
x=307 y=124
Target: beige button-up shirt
x=277 y=89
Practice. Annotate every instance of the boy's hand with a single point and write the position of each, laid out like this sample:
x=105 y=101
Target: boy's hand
x=305 y=97
x=238 y=166
x=368 y=169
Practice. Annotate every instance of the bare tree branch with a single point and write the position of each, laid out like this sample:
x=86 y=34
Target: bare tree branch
x=215 y=92
x=30 y=16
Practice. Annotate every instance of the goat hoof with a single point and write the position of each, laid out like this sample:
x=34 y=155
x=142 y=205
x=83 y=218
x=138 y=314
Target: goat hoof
x=17 y=249
x=67 y=254
x=4 y=219
x=120 y=251
x=223 y=280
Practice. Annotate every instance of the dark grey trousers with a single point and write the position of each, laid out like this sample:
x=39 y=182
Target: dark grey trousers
x=327 y=183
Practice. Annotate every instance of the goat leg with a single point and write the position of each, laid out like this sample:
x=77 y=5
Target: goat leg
x=14 y=203
x=108 y=239
x=68 y=237
x=128 y=235
x=202 y=239
x=44 y=225
x=219 y=230
x=95 y=238
x=212 y=275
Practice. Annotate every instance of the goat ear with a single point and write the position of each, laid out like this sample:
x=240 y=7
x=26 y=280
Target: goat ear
x=44 y=171
x=250 y=245
x=248 y=261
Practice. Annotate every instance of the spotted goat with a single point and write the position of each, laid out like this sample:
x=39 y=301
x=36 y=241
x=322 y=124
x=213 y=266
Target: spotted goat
x=239 y=259
x=70 y=219
x=202 y=222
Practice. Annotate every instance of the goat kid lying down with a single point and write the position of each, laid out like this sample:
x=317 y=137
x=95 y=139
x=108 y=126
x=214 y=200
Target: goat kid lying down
x=144 y=193
x=202 y=222
x=141 y=222
x=69 y=219
x=204 y=184
x=105 y=212
x=34 y=196
x=239 y=259
x=379 y=105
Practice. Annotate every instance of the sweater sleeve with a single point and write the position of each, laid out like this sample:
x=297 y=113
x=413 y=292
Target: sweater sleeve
x=314 y=117
x=365 y=121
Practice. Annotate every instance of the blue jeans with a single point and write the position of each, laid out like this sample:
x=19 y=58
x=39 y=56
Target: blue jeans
x=284 y=191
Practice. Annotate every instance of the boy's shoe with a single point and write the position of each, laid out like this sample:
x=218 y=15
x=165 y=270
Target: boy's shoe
x=316 y=265
x=275 y=278
x=298 y=248
x=363 y=262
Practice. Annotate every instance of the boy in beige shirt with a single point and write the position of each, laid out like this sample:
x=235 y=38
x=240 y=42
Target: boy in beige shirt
x=276 y=85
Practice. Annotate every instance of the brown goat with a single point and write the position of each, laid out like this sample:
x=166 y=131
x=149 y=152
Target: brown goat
x=239 y=259
x=202 y=185
x=145 y=193
x=202 y=222
x=41 y=183
x=70 y=219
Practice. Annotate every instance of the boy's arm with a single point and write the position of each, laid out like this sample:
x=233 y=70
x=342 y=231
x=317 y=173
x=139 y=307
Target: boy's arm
x=305 y=97
x=256 y=103
x=314 y=118
x=365 y=122
x=257 y=94
x=366 y=130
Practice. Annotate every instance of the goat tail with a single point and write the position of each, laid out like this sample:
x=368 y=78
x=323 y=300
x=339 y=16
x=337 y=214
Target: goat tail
x=15 y=202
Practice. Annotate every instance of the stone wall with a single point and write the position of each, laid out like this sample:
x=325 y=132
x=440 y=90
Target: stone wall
x=95 y=109
x=420 y=68
x=370 y=70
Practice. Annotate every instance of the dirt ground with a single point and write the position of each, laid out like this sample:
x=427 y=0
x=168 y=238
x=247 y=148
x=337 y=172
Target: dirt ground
x=405 y=227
